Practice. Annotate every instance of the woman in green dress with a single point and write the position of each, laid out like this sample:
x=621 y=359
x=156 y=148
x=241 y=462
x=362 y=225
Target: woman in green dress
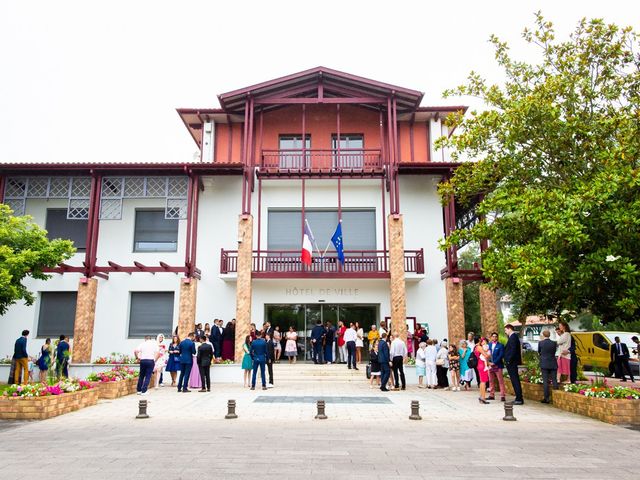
x=247 y=362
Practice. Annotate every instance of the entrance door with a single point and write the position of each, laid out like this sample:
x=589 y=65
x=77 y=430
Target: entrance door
x=304 y=317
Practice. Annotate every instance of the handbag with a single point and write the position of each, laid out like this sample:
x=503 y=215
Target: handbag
x=440 y=362
x=368 y=371
x=472 y=362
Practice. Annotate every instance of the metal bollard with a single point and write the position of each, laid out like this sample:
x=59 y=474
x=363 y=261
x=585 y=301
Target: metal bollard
x=142 y=409
x=231 y=409
x=321 y=415
x=415 y=410
x=508 y=413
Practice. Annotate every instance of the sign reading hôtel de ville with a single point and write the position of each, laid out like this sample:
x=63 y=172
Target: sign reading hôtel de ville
x=322 y=292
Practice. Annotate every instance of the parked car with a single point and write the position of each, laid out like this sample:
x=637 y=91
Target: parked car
x=594 y=349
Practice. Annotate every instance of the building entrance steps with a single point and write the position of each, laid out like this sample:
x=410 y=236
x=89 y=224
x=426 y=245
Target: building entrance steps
x=310 y=372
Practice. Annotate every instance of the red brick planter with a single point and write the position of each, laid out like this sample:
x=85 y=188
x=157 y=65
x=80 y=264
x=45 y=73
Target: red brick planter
x=111 y=390
x=40 y=408
x=530 y=391
x=610 y=410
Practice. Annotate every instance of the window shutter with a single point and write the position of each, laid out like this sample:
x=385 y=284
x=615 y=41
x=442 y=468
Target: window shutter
x=57 y=314
x=151 y=313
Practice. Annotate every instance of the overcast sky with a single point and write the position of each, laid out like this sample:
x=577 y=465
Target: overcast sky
x=96 y=81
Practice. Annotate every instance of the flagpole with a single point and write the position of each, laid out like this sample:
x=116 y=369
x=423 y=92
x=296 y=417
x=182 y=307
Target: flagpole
x=315 y=244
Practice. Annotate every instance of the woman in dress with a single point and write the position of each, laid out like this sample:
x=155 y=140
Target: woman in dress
x=247 y=362
x=442 y=366
x=484 y=357
x=421 y=363
x=252 y=331
x=562 y=351
x=44 y=362
x=161 y=361
x=173 y=363
x=375 y=364
x=207 y=330
x=194 y=379
x=431 y=354
x=291 y=347
x=359 y=342
x=466 y=373
x=228 y=341
x=277 y=343
x=454 y=368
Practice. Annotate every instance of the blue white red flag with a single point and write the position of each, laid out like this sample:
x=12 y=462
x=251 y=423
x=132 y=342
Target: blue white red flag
x=307 y=244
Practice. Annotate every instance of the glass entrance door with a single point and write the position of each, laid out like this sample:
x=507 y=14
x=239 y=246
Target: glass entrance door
x=304 y=317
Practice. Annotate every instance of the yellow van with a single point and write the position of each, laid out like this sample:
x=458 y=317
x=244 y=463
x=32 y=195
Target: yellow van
x=594 y=348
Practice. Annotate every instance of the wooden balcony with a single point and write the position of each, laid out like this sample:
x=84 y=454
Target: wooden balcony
x=351 y=162
x=288 y=264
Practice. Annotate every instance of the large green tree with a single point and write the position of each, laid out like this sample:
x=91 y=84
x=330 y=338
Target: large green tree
x=25 y=251
x=556 y=165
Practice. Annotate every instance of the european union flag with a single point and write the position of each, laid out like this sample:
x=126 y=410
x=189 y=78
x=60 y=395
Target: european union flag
x=337 y=242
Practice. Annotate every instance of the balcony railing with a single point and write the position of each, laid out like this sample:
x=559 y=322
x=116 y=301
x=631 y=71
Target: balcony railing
x=325 y=160
x=288 y=264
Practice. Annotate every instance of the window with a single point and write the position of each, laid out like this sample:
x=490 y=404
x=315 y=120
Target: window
x=151 y=313
x=154 y=233
x=284 y=228
x=291 y=151
x=57 y=314
x=351 y=150
x=58 y=226
x=600 y=342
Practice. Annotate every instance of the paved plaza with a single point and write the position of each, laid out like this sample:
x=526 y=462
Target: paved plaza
x=276 y=437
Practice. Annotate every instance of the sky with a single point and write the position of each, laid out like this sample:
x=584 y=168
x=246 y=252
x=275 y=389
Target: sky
x=88 y=81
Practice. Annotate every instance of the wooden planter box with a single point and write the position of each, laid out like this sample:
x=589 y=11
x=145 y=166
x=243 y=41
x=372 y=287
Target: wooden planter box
x=530 y=391
x=111 y=390
x=610 y=410
x=41 y=408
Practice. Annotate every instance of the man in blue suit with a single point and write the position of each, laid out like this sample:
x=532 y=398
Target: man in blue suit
x=317 y=333
x=216 y=338
x=513 y=358
x=384 y=359
x=496 y=367
x=258 y=353
x=187 y=350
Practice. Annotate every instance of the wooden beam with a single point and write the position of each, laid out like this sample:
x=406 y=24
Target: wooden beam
x=298 y=101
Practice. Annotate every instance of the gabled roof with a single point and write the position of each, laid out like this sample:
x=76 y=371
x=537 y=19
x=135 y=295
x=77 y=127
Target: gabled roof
x=334 y=83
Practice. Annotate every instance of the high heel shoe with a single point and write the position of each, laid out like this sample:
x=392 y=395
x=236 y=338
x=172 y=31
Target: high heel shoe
x=483 y=401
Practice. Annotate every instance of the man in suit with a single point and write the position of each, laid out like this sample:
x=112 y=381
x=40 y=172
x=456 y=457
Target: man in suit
x=573 y=363
x=267 y=329
x=203 y=359
x=258 y=353
x=187 y=350
x=513 y=358
x=21 y=357
x=620 y=355
x=216 y=339
x=385 y=361
x=271 y=357
x=317 y=333
x=548 y=364
x=496 y=367
x=62 y=357
x=329 y=334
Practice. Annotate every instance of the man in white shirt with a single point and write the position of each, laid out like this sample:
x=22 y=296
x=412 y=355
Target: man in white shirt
x=147 y=352
x=350 y=336
x=398 y=354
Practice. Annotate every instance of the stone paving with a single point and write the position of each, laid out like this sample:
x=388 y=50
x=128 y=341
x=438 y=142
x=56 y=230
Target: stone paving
x=187 y=436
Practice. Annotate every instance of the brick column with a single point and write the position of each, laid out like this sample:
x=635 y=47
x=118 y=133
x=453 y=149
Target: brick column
x=85 y=318
x=396 y=269
x=187 y=308
x=243 y=285
x=455 y=309
x=488 y=310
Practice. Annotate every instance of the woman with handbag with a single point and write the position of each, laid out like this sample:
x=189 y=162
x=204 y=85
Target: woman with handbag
x=466 y=372
x=442 y=366
x=375 y=365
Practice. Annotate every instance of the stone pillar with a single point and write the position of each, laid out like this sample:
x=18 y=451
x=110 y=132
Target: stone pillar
x=243 y=285
x=488 y=310
x=85 y=318
x=396 y=269
x=187 y=308
x=455 y=309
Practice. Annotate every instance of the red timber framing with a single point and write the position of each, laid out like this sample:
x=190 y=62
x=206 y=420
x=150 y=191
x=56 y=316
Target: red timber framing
x=90 y=268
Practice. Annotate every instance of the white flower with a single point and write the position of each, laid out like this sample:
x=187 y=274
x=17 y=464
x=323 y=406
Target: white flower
x=611 y=258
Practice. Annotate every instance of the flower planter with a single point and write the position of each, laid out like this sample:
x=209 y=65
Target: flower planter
x=40 y=408
x=610 y=410
x=530 y=391
x=111 y=390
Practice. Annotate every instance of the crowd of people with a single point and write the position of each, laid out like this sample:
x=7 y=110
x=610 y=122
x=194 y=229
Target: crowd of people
x=23 y=365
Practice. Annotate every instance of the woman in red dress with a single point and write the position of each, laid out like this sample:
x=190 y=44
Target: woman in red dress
x=484 y=358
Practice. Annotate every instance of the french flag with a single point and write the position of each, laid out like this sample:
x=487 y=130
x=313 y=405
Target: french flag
x=307 y=244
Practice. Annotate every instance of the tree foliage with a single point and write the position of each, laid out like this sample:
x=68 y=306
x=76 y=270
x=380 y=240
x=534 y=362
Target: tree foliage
x=557 y=170
x=25 y=251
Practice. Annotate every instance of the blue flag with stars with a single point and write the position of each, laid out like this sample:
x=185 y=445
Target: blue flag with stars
x=337 y=242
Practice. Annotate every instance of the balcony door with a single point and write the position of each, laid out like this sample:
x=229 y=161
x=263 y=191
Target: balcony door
x=351 y=154
x=291 y=152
